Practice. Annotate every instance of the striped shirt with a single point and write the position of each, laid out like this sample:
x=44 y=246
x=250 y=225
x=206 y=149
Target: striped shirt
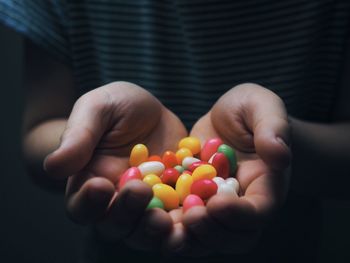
x=188 y=53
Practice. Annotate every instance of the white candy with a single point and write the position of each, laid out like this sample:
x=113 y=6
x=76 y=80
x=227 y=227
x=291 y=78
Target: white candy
x=153 y=167
x=219 y=180
x=226 y=189
x=233 y=182
x=187 y=161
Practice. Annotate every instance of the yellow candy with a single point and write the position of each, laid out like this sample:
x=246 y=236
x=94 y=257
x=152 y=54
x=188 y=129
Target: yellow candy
x=205 y=171
x=168 y=195
x=182 y=153
x=191 y=143
x=138 y=155
x=183 y=186
x=152 y=179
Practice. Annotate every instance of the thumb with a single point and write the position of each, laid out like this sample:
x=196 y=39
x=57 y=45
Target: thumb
x=85 y=127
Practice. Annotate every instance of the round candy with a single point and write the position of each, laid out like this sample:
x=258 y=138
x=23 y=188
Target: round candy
x=221 y=164
x=182 y=153
x=168 y=195
x=151 y=168
x=130 y=174
x=152 y=179
x=209 y=148
x=138 y=155
x=205 y=171
x=230 y=154
x=191 y=143
x=191 y=201
x=183 y=186
x=187 y=161
x=169 y=159
x=204 y=188
x=155 y=203
x=170 y=176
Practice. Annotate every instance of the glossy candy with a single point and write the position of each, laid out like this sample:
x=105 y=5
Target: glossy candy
x=138 y=155
x=179 y=168
x=155 y=203
x=168 y=195
x=221 y=164
x=169 y=159
x=130 y=174
x=205 y=171
x=193 y=166
x=170 y=176
x=234 y=183
x=191 y=201
x=152 y=179
x=182 y=153
x=209 y=148
x=226 y=189
x=191 y=143
x=183 y=186
x=154 y=158
x=151 y=168
x=218 y=180
x=204 y=188
x=187 y=161
x=230 y=154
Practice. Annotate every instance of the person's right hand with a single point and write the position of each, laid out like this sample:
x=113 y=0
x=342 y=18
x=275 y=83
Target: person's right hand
x=104 y=125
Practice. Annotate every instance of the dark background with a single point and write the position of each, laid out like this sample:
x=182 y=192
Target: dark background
x=33 y=224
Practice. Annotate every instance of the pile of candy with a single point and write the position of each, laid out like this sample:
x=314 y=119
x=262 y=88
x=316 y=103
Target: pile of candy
x=188 y=177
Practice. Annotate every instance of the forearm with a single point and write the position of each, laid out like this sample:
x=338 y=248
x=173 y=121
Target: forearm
x=38 y=142
x=321 y=158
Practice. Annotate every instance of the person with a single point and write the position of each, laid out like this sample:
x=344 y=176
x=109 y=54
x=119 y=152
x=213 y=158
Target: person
x=188 y=61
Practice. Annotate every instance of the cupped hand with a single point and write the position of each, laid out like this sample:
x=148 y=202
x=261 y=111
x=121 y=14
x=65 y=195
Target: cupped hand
x=252 y=120
x=104 y=125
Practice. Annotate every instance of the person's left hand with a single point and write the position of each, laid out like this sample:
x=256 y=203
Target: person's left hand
x=252 y=120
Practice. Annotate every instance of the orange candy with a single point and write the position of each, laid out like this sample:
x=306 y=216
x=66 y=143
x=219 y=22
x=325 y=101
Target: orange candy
x=169 y=159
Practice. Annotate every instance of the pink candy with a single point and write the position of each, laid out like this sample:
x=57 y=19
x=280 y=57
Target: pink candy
x=204 y=188
x=209 y=148
x=191 y=201
x=129 y=174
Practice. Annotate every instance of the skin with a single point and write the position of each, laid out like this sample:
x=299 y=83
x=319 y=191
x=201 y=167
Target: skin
x=89 y=147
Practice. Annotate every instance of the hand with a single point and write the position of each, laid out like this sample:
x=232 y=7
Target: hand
x=253 y=120
x=103 y=127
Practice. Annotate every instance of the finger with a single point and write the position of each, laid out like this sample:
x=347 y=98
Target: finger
x=154 y=225
x=91 y=201
x=125 y=210
x=260 y=112
x=87 y=123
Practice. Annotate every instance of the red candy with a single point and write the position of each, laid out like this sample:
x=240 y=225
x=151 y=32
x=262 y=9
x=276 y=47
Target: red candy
x=154 y=158
x=209 y=148
x=130 y=174
x=204 y=188
x=221 y=164
x=170 y=176
x=169 y=159
x=191 y=201
x=187 y=172
x=193 y=166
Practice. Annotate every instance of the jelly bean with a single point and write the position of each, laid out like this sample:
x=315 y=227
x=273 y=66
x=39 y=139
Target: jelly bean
x=187 y=172
x=138 y=155
x=151 y=168
x=191 y=201
x=226 y=189
x=169 y=159
x=179 y=168
x=168 y=195
x=234 y=183
x=130 y=174
x=152 y=179
x=191 y=143
x=230 y=154
x=154 y=158
x=193 y=166
x=182 y=153
x=187 y=161
x=204 y=188
x=219 y=180
x=170 y=176
x=155 y=203
x=221 y=164
x=183 y=186
x=209 y=148
x=205 y=171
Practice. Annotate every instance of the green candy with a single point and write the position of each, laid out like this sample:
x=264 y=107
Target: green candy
x=179 y=168
x=230 y=154
x=155 y=203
